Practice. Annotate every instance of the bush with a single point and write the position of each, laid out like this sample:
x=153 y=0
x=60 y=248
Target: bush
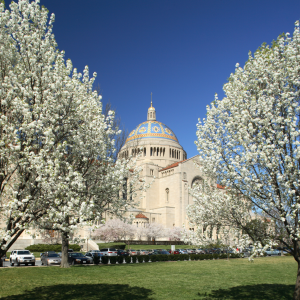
x=173 y=257
x=47 y=247
x=113 y=259
x=154 y=258
x=146 y=258
x=140 y=258
x=128 y=259
x=133 y=259
x=104 y=260
x=120 y=259
x=96 y=259
x=182 y=257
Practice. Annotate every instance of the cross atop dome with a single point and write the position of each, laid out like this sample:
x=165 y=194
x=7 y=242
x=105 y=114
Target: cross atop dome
x=151 y=112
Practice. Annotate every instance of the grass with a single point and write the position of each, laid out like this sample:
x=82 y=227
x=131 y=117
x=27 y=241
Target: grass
x=236 y=279
x=145 y=247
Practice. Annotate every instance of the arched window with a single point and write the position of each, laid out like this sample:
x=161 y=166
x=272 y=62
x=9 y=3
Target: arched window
x=164 y=152
x=197 y=181
x=151 y=151
x=145 y=151
x=167 y=194
x=125 y=188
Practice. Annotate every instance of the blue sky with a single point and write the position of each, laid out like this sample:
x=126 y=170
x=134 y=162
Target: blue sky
x=181 y=51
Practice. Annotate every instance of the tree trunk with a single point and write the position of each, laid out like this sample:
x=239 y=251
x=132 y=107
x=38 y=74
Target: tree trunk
x=64 y=250
x=297 y=286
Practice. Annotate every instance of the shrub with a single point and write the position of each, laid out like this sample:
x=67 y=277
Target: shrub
x=128 y=259
x=146 y=258
x=172 y=257
x=154 y=258
x=113 y=259
x=104 y=260
x=120 y=259
x=47 y=247
x=140 y=258
x=96 y=259
x=182 y=256
x=133 y=259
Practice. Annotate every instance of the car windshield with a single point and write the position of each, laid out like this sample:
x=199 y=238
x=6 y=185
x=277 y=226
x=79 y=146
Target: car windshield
x=23 y=252
x=112 y=249
x=53 y=255
x=76 y=255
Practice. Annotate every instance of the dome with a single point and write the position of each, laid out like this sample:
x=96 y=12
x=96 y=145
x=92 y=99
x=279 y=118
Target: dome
x=152 y=129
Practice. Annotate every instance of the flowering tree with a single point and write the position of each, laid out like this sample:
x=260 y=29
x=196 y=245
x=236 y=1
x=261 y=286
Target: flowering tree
x=154 y=231
x=57 y=169
x=219 y=216
x=114 y=230
x=250 y=140
x=175 y=234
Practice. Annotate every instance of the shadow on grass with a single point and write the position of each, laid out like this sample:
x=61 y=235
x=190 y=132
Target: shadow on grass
x=84 y=291
x=253 y=292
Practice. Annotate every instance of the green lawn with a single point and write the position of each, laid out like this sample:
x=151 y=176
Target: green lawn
x=266 y=278
x=146 y=247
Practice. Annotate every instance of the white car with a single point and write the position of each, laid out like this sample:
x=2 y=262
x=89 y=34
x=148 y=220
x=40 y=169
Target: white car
x=21 y=257
x=109 y=252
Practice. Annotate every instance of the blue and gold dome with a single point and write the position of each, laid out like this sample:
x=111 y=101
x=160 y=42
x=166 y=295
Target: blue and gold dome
x=152 y=129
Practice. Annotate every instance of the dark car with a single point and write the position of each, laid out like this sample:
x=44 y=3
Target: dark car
x=122 y=252
x=164 y=252
x=93 y=253
x=78 y=258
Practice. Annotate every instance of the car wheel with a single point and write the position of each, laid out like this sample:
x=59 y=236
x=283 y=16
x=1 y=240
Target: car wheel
x=11 y=263
x=18 y=263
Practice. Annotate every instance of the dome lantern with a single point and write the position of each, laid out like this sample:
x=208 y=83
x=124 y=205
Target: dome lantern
x=151 y=112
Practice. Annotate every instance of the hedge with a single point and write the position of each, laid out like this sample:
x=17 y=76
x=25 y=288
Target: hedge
x=47 y=247
x=165 y=257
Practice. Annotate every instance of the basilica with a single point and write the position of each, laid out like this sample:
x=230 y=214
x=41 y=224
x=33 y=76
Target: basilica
x=164 y=162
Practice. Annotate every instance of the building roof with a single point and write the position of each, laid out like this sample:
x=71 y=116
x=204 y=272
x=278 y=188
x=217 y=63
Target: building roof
x=152 y=129
x=220 y=187
x=140 y=216
x=172 y=165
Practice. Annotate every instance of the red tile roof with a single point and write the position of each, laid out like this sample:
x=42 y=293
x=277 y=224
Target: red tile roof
x=141 y=216
x=172 y=165
x=220 y=187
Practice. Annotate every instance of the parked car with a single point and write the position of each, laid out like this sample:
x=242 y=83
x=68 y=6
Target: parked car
x=21 y=257
x=154 y=252
x=200 y=251
x=174 y=252
x=182 y=251
x=93 y=253
x=50 y=259
x=69 y=251
x=143 y=252
x=164 y=252
x=109 y=252
x=78 y=258
x=133 y=252
x=270 y=252
x=121 y=252
x=191 y=251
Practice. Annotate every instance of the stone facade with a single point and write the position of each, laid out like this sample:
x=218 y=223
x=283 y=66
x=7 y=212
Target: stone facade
x=164 y=160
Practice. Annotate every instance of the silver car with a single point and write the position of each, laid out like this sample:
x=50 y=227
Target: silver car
x=48 y=259
x=109 y=252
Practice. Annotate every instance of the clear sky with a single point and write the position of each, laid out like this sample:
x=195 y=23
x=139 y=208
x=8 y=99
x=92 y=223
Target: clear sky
x=181 y=51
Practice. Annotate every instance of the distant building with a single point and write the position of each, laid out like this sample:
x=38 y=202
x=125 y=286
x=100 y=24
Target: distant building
x=162 y=157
